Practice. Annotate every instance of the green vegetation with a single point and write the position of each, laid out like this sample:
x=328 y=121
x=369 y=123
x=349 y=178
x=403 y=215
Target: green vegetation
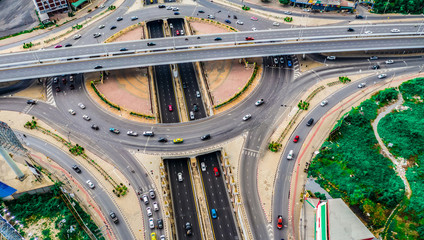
x=303 y=105
x=288 y=19
x=112 y=7
x=142 y=115
x=399 y=6
x=76 y=150
x=274 y=146
x=54 y=208
x=245 y=8
x=285 y=2
x=344 y=79
x=103 y=97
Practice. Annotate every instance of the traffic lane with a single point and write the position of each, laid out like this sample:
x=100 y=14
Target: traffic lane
x=166 y=94
x=183 y=198
x=217 y=197
x=155 y=30
x=98 y=193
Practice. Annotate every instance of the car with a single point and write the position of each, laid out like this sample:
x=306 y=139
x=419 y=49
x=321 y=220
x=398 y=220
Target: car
x=228 y=21
x=254 y=18
x=239 y=22
x=390 y=62
x=289 y=63
x=153 y=236
x=58 y=46
x=133 y=18
x=119 y=19
x=175 y=9
x=288 y=12
x=96 y=35
x=192 y=115
x=178 y=140
x=276 y=24
x=113 y=27
x=149 y=211
x=95 y=127
x=234 y=17
x=180 y=177
x=155 y=206
x=205 y=137
x=310 y=122
x=249 y=38
x=201 y=11
x=169 y=8
x=152 y=194
x=98 y=67
x=203 y=166
x=198 y=94
x=254 y=29
x=281 y=60
x=184 y=85
x=177 y=32
x=162 y=139
x=247 y=117
x=395 y=30
x=76 y=168
x=359 y=17
x=68 y=45
x=211 y=16
x=71 y=78
x=160 y=223
x=290 y=155
x=375 y=67
x=259 y=102
x=280 y=222
x=176 y=13
x=55 y=80
x=161 y=6
x=162 y=237
x=373 y=58
x=149 y=44
x=123 y=49
x=90 y=184
x=151 y=223
x=195 y=107
x=323 y=103
x=368 y=32
x=216 y=171
x=306 y=10
x=82 y=106
x=145 y=199
x=148 y=134
x=331 y=57
x=218 y=39
x=64 y=80
x=213 y=213
x=86 y=118
x=101 y=26
x=382 y=76
x=361 y=85
x=72 y=112
x=78 y=36
x=114 y=130
x=57 y=89
x=296 y=139
x=188 y=228
x=350 y=30
x=132 y=133
x=170 y=108
x=114 y=217
x=102 y=6
x=31 y=101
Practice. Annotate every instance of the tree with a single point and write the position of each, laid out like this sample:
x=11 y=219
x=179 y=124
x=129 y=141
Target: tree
x=285 y=2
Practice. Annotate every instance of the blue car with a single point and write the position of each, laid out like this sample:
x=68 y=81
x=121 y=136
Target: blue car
x=176 y=13
x=227 y=21
x=213 y=213
x=289 y=63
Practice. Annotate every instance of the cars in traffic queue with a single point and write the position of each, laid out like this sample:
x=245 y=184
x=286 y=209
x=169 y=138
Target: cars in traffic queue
x=331 y=57
x=162 y=139
x=114 y=130
x=280 y=222
x=382 y=76
x=145 y=199
x=95 y=127
x=151 y=223
x=177 y=32
x=205 y=137
x=76 y=168
x=71 y=111
x=152 y=194
x=249 y=38
x=148 y=134
x=162 y=237
x=178 y=140
x=155 y=206
x=247 y=117
x=373 y=58
x=180 y=176
x=323 y=103
x=132 y=133
x=259 y=102
x=389 y=62
x=175 y=9
x=57 y=89
x=68 y=45
x=90 y=184
x=114 y=217
x=281 y=60
x=169 y=8
x=161 y=6
x=82 y=106
x=160 y=223
x=375 y=67
x=58 y=46
x=149 y=211
x=216 y=171
x=213 y=213
x=289 y=63
x=296 y=139
x=86 y=117
x=152 y=236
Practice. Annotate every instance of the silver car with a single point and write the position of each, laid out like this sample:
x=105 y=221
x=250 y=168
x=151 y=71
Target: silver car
x=86 y=118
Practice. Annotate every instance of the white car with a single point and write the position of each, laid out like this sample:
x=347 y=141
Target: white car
x=247 y=117
x=71 y=111
x=101 y=26
x=86 y=118
x=132 y=133
x=162 y=237
x=323 y=103
x=211 y=16
x=149 y=211
x=155 y=206
x=81 y=105
x=395 y=30
x=288 y=12
x=259 y=102
x=276 y=24
x=180 y=177
x=368 y=32
x=203 y=166
x=331 y=57
x=169 y=8
x=373 y=58
x=239 y=22
x=78 y=36
x=390 y=62
x=254 y=29
x=151 y=223
x=362 y=85
x=382 y=76
x=90 y=184
x=145 y=199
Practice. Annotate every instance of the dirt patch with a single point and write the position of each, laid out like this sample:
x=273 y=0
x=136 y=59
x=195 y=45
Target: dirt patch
x=134 y=34
x=206 y=28
x=35 y=91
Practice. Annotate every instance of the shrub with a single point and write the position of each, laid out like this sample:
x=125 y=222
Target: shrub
x=245 y=8
x=103 y=98
x=288 y=19
x=344 y=79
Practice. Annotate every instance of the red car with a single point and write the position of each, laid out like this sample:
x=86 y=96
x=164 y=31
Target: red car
x=170 y=108
x=296 y=139
x=249 y=38
x=215 y=170
x=177 y=32
x=280 y=222
x=58 y=46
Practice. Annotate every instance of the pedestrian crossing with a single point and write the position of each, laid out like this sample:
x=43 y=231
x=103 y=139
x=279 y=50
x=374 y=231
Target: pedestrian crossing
x=250 y=153
x=296 y=66
x=49 y=93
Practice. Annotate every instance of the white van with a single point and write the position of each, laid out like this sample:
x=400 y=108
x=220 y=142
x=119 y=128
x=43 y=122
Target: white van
x=290 y=155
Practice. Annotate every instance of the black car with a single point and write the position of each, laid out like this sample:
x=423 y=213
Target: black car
x=161 y=6
x=310 y=122
x=201 y=11
x=184 y=85
x=119 y=19
x=176 y=13
x=31 y=101
x=68 y=45
x=151 y=44
x=114 y=217
x=188 y=228
x=235 y=17
x=76 y=168
x=160 y=224
x=350 y=30
x=162 y=139
x=95 y=127
x=359 y=17
x=72 y=87
x=375 y=67
x=98 y=67
x=218 y=39
x=113 y=27
x=205 y=137
x=195 y=107
x=123 y=49
x=57 y=89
